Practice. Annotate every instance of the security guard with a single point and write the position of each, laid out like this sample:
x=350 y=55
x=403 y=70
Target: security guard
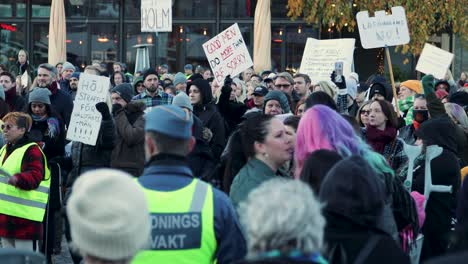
x=24 y=185
x=191 y=222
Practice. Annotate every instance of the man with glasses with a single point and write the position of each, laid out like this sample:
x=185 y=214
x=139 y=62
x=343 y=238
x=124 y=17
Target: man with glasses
x=284 y=82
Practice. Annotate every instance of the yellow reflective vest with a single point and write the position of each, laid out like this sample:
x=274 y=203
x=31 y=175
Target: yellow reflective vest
x=31 y=204
x=182 y=226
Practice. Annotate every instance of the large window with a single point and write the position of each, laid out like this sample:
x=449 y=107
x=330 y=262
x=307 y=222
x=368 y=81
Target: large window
x=94 y=9
x=12 y=40
x=12 y=8
x=104 y=43
x=295 y=40
x=181 y=9
x=41 y=8
x=238 y=9
x=133 y=37
x=77 y=44
x=195 y=36
x=40 y=43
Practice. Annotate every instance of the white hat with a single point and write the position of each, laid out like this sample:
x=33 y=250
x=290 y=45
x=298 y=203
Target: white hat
x=108 y=215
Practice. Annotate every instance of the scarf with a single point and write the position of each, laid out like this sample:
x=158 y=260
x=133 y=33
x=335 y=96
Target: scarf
x=416 y=125
x=379 y=138
x=53 y=125
x=10 y=98
x=406 y=104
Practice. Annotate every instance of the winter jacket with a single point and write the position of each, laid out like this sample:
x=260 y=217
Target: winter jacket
x=354 y=199
x=129 y=151
x=462 y=145
x=15 y=102
x=32 y=174
x=252 y=174
x=208 y=113
x=17 y=69
x=46 y=131
x=445 y=170
x=85 y=157
x=406 y=133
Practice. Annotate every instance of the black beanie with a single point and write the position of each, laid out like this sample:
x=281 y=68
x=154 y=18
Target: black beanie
x=125 y=90
x=149 y=72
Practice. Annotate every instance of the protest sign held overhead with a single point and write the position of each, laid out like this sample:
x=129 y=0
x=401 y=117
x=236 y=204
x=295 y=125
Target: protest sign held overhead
x=156 y=15
x=227 y=53
x=383 y=30
x=435 y=61
x=320 y=57
x=85 y=121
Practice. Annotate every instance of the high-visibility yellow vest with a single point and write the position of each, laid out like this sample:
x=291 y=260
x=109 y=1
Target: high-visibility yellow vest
x=31 y=204
x=182 y=226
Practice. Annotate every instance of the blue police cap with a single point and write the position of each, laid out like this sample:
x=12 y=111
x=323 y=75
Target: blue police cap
x=169 y=120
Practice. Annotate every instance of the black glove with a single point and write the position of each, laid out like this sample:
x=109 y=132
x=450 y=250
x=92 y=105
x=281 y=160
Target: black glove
x=340 y=84
x=116 y=108
x=227 y=85
x=104 y=110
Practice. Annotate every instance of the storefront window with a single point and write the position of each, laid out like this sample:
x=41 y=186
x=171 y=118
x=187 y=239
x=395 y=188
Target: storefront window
x=181 y=9
x=12 y=8
x=277 y=39
x=95 y=9
x=133 y=37
x=296 y=38
x=40 y=43
x=12 y=39
x=41 y=8
x=77 y=45
x=195 y=36
x=238 y=9
x=279 y=9
x=104 y=43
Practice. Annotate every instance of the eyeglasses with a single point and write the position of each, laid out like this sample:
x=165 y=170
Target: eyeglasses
x=365 y=112
x=282 y=85
x=7 y=127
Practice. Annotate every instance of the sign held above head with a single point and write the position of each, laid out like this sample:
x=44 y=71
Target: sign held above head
x=434 y=60
x=156 y=15
x=383 y=30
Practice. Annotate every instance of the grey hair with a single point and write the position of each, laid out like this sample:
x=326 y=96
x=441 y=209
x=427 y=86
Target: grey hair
x=282 y=215
x=51 y=68
x=285 y=75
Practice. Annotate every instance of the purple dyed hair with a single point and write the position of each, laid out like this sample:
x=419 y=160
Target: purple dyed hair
x=322 y=128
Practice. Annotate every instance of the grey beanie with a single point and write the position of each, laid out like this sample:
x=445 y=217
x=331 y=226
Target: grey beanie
x=125 y=90
x=106 y=225
x=68 y=66
x=280 y=97
x=40 y=95
x=2 y=93
x=179 y=78
x=182 y=100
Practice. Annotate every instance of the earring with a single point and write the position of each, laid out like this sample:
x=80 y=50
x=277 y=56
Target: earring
x=265 y=155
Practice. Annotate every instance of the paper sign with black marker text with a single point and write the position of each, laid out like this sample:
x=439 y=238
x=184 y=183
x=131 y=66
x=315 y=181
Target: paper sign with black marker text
x=156 y=15
x=434 y=60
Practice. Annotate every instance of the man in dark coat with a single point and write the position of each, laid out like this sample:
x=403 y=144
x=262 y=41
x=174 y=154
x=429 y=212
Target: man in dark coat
x=15 y=102
x=60 y=100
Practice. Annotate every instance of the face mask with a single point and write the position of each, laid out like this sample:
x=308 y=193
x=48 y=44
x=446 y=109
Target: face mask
x=420 y=115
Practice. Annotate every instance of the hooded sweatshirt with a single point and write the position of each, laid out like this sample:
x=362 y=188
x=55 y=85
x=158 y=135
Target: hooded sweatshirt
x=354 y=200
x=445 y=170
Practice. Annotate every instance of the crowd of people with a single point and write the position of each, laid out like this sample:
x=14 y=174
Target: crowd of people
x=264 y=167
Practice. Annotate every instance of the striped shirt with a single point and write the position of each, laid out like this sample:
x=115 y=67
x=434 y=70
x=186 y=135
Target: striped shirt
x=161 y=98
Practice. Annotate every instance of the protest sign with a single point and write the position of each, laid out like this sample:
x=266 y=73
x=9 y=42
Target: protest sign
x=383 y=30
x=320 y=57
x=156 y=15
x=434 y=61
x=227 y=53
x=85 y=121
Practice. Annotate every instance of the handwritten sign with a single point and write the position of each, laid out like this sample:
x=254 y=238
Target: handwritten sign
x=434 y=61
x=156 y=15
x=85 y=121
x=320 y=56
x=383 y=30
x=227 y=53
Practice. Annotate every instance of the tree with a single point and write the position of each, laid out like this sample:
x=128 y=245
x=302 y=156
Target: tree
x=425 y=17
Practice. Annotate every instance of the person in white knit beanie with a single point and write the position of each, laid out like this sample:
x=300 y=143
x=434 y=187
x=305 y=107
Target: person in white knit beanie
x=109 y=217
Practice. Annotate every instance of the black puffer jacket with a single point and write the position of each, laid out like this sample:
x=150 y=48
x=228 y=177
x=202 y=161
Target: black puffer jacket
x=208 y=113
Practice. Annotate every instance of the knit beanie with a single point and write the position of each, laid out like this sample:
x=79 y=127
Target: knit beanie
x=125 y=90
x=40 y=95
x=108 y=215
x=149 y=72
x=413 y=85
x=179 y=78
x=280 y=97
x=182 y=100
x=68 y=66
x=75 y=75
x=2 y=93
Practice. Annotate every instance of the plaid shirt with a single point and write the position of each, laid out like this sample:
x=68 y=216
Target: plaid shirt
x=395 y=155
x=161 y=98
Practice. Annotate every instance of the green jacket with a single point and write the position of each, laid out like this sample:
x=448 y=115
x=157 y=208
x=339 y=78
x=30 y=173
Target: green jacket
x=254 y=173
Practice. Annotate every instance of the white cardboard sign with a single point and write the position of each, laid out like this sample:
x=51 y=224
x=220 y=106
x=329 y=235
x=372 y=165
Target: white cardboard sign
x=434 y=60
x=320 y=56
x=227 y=53
x=156 y=15
x=383 y=30
x=85 y=121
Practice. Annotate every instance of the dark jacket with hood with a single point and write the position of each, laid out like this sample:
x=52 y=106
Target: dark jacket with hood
x=208 y=113
x=15 y=102
x=445 y=170
x=354 y=200
x=232 y=111
x=129 y=151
